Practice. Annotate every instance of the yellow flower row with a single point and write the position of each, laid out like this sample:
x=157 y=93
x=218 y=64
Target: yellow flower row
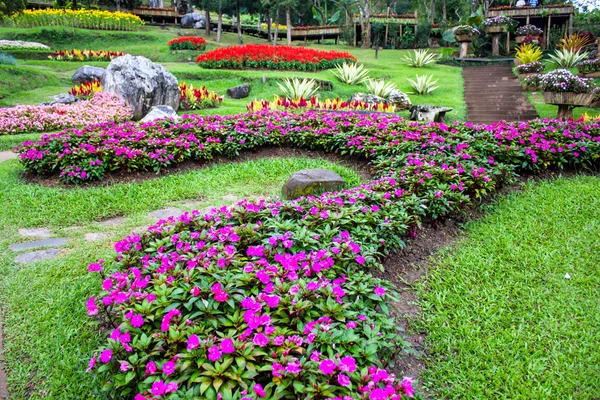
x=88 y=19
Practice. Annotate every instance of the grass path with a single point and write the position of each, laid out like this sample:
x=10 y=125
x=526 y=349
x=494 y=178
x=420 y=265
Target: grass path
x=502 y=318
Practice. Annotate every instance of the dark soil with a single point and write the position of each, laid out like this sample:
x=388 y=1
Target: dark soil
x=359 y=165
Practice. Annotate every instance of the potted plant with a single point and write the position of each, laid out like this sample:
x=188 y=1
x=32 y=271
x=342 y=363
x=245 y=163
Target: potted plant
x=589 y=68
x=525 y=70
x=465 y=33
x=528 y=33
x=532 y=82
x=498 y=24
x=527 y=53
x=567 y=91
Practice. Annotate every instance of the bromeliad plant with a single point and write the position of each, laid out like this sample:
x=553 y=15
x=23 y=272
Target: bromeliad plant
x=574 y=43
x=187 y=43
x=528 y=53
x=378 y=87
x=351 y=73
x=191 y=98
x=296 y=89
x=564 y=58
x=85 y=55
x=423 y=84
x=315 y=104
x=86 y=90
x=420 y=58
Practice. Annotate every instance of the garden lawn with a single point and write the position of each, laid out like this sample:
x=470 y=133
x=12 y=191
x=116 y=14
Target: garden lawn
x=503 y=320
x=48 y=336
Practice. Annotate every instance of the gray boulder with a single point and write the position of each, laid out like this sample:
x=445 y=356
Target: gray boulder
x=61 y=99
x=141 y=84
x=87 y=74
x=399 y=99
x=190 y=20
x=160 y=112
x=428 y=113
x=367 y=98
x=239 y=92
x=312 y=182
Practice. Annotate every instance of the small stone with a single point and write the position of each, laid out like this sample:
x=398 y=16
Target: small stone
x=165 y=213
x=428 y=113
x=38 y=243
x=399 y=99
x=35 y=232
x=230 y=198
x=38 y=255
x=160 y=112
x=63 y=98
x=367 y=98
x=567 y=276
x=92 y=237
x=312 y=182
x=113 y=221
x=239 y=92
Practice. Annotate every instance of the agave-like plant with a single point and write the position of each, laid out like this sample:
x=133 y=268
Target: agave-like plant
x=420 y=58
x=567 y=58
x=295 y=89
x=528 y=53
x=424 y=84
x=352 y=74
x=378 y=87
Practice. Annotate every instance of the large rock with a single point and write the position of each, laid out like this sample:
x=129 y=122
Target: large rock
x=141 y=84
x=428 y=113
x=399 y=99
x=87 y=74
x=239 y=92
x=190 y=20
x=367 y=98
x=63 y=98
x=160 y=112
x=312 y=182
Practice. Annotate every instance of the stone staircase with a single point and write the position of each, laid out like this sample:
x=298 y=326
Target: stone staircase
x=493 y=93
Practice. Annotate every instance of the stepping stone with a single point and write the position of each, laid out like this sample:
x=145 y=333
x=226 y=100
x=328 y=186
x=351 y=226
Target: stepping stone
x=7 y=155
x=35 y=232
x=113 y=221
x=192 y=204
x=231 y=198
x=165 y=213
x=92 y=237
x=38 y=255
x=38 y=243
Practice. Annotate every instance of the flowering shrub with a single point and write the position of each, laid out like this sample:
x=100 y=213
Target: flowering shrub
x=271 y=299
x=21 y=45
x=315 y=104
x=86 y=90
x=273 y=57
x=466 y=30
x=85 y=55
x=534 y=67
x=533 y=81
x=589 y=66
x=187 y=43
x=102 y=107
x=499 y=20
x=529 y=30
x=191 y=98
x=87 y=19
x=562 y=80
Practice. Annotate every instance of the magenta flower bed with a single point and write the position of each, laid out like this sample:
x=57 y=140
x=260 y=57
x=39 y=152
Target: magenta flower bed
x=103 y=107
x=274 y=299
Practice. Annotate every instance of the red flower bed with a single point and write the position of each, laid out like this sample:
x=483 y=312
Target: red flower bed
x=273 y=57
x=187 y=43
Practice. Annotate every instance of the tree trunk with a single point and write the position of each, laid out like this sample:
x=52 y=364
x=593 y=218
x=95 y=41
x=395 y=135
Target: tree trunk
x=444 y=12
x=269 y=26
x=207 y=25
x=118 y=4
x=365 y=26
x=288 y=22
x=432 y=10
x=74 y=4
x=239 y=22
x=276 y=36
x=219 y=24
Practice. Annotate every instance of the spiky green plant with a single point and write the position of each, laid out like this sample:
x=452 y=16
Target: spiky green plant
x=352 y=74
x=295 y=88
x=424 y=84
x=420 y=58
x=378 y=87
x=566 y=58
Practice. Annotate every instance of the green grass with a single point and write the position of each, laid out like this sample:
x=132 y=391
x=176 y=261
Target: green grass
x=502 y=320
x=48 y=337
x=8 y=142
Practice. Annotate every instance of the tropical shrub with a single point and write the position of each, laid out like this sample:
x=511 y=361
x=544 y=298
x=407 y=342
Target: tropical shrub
x=7 y=59
x=21 y=45
x=187 y=43
x=191 y=98
x=534 y=67
x=423 y=84
x=378 y=87
x=533 y=81
x=529 y=30
x=420 y=58
x=87 y=19
x=574 y=43
x=296 y=89
x=528 y=53
x=588 y=66
x=85 y=55
x=562 y=80
x=351 y=73
x=86 y=90
x=315 y=104
x=566 y=58
x=102 y=107
x=446 y=53
x=273 y=57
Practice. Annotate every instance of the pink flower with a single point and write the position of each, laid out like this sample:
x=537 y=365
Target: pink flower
x=94 y=267
x=137 y=320
x=327 y=367
x=91 y=306
x=105 y=356
x=360 y=260
x=193 y=342
x=343 y=380
x=91 y=364
x=195 y=291
x=260 y=340
x=407 y=386
x=158 y=388
x=379 y=291
x=214 y=354
x=259 y=391
x=348 y=364
x=151 y=368
x=171 y=387
x=169 y=368
x=378 y=394
x=315 y=356
x=227 y=346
